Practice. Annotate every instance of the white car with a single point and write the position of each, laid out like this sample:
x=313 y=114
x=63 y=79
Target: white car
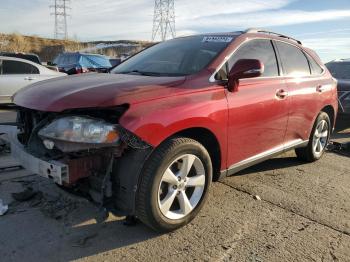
x=17 y=73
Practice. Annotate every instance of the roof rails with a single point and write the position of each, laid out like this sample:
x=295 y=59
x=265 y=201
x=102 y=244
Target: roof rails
x=257 y=30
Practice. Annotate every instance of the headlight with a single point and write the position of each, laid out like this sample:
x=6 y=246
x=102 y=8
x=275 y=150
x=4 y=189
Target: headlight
x=81 y=130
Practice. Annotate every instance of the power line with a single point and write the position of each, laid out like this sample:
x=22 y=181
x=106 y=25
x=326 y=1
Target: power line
x=164 y=19
x=61 y=8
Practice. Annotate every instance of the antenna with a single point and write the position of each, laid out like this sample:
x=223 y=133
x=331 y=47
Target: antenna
x=60 y=12
x=164 y=19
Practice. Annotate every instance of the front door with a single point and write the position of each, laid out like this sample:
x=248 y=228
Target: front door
x=258 y=109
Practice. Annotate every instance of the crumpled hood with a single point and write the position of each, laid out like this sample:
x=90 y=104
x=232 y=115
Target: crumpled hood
x=94 y=90
x=343 y=85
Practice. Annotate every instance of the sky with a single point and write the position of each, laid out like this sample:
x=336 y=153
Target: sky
x=323 y=25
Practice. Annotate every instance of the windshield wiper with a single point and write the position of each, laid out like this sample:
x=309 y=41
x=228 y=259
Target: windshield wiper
x=140 y=73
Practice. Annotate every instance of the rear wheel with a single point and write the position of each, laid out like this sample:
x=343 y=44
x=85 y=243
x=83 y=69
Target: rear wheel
x=318 y=140
x=174 y=185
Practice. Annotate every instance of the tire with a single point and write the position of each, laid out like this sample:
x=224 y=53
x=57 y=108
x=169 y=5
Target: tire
x=158 y=184
x=318 y=141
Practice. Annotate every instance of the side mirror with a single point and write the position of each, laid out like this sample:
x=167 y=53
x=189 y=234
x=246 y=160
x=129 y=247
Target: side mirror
x=244 y=68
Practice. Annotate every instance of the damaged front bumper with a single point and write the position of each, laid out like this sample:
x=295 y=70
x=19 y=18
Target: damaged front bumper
x=110 y=176
x=57 y=171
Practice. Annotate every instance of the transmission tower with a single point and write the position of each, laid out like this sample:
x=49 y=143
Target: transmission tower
x=164 y=19
x=60 y=8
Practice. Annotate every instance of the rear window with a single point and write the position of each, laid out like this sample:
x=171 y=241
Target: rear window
x=18 y=68
x=316 y=69
x=293 y=60
x=339 y=70
x=94 y=61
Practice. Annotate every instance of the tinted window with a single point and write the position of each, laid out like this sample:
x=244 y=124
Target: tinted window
x=66 y=59
x=182 y=56
x=16 y=68
x=293 y=60
x=261 y=50
x=58 y=60
x=339 y=70
x=70 y=59
x=316 y=69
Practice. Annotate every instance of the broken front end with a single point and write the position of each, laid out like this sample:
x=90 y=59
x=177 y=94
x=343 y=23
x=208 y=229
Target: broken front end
x=82 y=150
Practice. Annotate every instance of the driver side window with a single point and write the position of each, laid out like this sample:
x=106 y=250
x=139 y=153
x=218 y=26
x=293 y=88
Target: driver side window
x=260 y=49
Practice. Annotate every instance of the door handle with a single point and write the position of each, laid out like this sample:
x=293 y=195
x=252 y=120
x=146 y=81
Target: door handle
x=320 y=88
x=282 y=94
x=29 y=78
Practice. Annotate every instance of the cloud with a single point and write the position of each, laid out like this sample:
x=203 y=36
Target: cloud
x=329 y=48
x=125 y=19
x=187 y=10
x=343 y=31
x=119 y=19
x=265 y=18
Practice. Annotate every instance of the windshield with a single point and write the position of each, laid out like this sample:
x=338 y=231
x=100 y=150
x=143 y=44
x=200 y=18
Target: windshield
x=339 y=70
x=178 y=57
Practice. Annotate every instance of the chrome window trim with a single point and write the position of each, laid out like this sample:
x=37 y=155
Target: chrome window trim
x=212 y=77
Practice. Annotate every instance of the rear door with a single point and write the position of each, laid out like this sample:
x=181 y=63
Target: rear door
x=305 y=87
x=258 y=116
x=16 y=75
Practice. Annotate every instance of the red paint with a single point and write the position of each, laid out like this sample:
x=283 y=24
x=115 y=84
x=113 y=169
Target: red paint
x=246 y=122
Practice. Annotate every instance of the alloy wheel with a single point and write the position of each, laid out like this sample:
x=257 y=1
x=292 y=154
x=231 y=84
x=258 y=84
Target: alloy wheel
x=320 y=138
x=181 y=187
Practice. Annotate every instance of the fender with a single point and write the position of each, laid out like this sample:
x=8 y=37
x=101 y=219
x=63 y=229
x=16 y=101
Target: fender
x=155 y=121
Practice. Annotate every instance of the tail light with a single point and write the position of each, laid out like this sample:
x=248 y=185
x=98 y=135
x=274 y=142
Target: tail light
x=81 y=70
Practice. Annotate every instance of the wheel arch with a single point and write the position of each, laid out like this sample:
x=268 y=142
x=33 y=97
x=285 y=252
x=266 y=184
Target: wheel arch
x=331 y=113
x=208 y=139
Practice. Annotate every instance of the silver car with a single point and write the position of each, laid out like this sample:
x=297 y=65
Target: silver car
x=17 y=73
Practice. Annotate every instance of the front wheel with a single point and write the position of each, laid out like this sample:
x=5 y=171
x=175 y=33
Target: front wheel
x=174 y=184
x=318 y=140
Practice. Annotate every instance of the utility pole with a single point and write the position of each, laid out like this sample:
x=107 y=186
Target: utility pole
x=60 y=9
x=164 y=19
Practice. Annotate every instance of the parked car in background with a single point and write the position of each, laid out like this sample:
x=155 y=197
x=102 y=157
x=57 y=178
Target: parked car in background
x=31 y=57
x=151 y=136
x=78 y=63
x=340 y=69
x=16 y=73
x=115 y=61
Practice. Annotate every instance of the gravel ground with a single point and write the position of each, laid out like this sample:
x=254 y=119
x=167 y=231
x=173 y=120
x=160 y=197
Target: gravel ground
x=303 y=215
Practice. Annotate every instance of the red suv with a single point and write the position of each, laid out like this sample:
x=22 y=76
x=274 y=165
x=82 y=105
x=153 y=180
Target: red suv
x=151 y=136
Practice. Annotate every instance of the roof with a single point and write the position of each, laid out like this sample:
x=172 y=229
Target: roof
x=18 y=59
x=255 y=31
x=267 y=32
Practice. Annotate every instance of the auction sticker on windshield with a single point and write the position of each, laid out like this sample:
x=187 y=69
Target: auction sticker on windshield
x=217 y=39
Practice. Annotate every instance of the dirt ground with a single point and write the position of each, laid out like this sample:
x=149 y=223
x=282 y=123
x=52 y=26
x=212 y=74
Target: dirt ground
x=303 y=215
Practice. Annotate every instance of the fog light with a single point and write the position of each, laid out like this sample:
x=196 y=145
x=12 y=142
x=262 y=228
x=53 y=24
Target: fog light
x=49 y=144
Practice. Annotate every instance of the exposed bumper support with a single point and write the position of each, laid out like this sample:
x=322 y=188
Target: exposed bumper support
x=54 y=170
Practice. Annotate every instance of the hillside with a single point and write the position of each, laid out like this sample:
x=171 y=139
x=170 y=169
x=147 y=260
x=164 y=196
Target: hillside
x=48 y=49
